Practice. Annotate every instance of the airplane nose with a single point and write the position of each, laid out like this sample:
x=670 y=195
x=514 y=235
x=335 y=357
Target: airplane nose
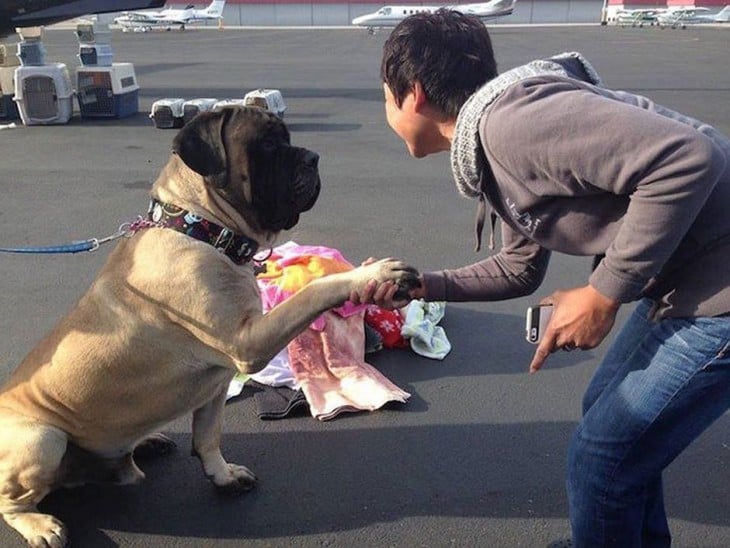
x=361 y=20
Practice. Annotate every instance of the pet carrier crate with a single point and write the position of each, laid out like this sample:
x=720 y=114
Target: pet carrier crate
x=89 y=32
x=107 y=92
x=8 y=108
x=31 y=53
x=96 y=54
x=94 y=44
x=268 y=99
x=43 y=94
x=167 y=113
x=30 y=49
x=228 y=103
x=193 y=107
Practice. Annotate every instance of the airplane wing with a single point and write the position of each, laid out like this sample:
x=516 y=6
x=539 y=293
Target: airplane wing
x=142 y=17
x=33 y=13
x=174 y=19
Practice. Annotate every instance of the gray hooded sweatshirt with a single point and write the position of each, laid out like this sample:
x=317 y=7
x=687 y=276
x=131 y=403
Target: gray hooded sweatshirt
x=570 y=166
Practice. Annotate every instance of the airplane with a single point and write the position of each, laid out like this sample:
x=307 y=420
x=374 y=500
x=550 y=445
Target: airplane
x=390 y=16
x=33 y=13
x=681 y=17
x=638 y=17
x=143 y=21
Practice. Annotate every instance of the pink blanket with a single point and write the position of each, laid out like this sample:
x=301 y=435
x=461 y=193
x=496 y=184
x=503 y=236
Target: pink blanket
x=329 y=367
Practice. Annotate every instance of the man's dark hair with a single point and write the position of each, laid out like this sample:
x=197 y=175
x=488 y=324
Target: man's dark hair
x=448 y=52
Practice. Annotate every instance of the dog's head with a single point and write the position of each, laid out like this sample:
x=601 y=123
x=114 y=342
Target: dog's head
x=245 y=155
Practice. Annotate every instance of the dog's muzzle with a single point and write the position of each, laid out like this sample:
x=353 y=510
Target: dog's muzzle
x=306 y=184
x=293 y=187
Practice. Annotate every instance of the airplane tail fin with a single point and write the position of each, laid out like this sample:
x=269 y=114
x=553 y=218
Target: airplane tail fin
x=505 y=4
x=503 y=7
x=724 y=15
x=215 y=9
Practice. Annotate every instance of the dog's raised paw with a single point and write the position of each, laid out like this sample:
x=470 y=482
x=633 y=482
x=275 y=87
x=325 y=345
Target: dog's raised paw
x=406 y=283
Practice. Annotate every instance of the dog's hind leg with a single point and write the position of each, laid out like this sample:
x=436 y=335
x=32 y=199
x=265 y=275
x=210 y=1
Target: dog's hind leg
x=207 y=421
x=154 y=445
x=31 y=455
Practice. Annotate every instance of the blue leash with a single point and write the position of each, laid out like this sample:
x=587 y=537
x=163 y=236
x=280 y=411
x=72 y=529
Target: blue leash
x=92 y=244
x=74 y=247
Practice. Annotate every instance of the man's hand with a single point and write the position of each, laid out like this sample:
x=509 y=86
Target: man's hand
x=582 y=318
x=384 y=294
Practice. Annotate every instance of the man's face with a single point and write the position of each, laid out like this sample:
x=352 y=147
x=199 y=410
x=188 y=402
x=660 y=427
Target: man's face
x=416 y=129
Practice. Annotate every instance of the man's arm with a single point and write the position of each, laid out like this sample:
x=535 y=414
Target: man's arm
x=517 y=270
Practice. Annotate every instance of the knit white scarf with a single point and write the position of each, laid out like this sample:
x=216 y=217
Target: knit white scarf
x=466 y=145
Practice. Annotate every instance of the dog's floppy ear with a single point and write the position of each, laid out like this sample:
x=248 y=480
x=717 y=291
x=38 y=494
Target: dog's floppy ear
x=200 y=144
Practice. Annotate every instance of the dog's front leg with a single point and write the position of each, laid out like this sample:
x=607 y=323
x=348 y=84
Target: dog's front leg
x=261 y=337
x=207 y=423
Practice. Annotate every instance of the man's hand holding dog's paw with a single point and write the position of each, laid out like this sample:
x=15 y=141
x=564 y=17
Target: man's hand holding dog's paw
x=390 y=283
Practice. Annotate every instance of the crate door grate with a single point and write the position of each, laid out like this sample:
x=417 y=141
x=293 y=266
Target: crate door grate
x=96 y=95
x=39 y=95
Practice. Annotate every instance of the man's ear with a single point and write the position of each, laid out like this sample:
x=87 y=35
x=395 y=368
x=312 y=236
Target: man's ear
x=420 y=100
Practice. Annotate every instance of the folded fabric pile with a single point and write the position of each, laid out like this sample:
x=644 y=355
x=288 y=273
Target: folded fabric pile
x=325 y=365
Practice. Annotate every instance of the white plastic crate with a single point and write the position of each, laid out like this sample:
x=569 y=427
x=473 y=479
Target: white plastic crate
x=167 y=113
x=107 y=92
x=193 y=107
x=229 y=102
x=268 y=99
x=43 y=94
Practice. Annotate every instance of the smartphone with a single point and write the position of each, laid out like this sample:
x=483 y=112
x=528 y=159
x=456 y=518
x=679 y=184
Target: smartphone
x=538 y=318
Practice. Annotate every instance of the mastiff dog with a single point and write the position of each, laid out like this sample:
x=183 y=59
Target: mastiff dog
x=173 y=315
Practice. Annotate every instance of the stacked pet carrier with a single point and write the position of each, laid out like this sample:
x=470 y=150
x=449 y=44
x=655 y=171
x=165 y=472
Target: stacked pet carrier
x=176 y=112
x=104 y=89
x=43 y=91
x=8 y=64
x=168 y=113
x=193 y=107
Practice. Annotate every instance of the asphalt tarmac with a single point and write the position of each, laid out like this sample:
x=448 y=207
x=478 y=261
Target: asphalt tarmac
x=476 y=457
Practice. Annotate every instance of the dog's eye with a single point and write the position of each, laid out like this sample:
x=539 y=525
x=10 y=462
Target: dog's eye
x=268 y=145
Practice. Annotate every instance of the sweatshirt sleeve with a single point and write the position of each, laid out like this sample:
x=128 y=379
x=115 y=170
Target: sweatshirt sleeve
x=581 y=141
x=517 y=270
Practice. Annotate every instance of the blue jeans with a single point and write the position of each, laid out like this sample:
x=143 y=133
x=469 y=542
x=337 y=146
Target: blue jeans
x=659 y=387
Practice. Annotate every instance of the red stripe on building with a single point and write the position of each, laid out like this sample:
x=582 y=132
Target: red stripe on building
x=667 y=3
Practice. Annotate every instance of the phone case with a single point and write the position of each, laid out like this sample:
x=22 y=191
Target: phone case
x=537 y=321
